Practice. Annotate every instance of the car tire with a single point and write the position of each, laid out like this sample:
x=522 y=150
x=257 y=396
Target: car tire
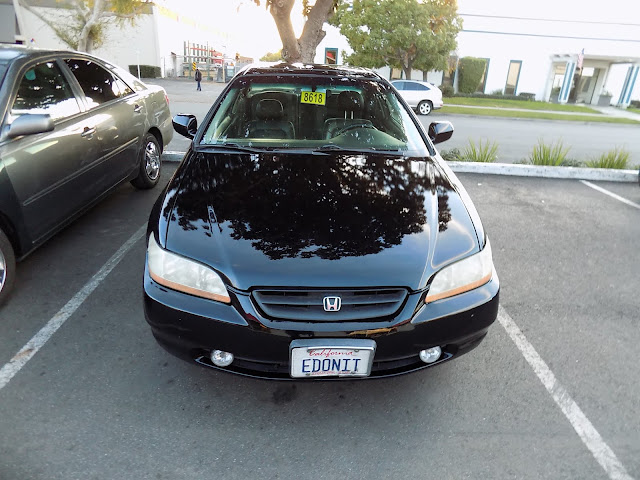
x=7 y=267
x=150 y=163
x=425 y=107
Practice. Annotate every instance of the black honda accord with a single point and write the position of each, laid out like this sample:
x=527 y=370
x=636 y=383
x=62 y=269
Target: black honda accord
x=313 y=231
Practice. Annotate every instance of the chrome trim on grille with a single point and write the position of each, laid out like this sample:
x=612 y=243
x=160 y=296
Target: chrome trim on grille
x=376 y=304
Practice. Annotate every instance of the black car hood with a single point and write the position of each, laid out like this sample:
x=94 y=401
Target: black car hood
x=316 y=220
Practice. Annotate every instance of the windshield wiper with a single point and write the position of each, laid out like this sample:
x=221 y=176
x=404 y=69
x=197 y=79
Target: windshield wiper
x=233 y=146
x=332 y=147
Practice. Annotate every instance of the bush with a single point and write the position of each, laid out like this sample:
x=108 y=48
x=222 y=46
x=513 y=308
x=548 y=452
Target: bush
x=497 y=92
x=485 y=153
x=452 y=155
x=146 y=71
x=616 y=158
x=487 y=95
x=447 y=90
x=635 y=103
x=470 y=70
x=551 y=155
x=527 y=96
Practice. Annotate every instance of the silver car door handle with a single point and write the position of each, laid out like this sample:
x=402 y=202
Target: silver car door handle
x=137 y=108
x=88 y=132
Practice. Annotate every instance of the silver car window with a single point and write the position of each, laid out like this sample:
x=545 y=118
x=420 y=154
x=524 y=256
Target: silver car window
x=43 y=89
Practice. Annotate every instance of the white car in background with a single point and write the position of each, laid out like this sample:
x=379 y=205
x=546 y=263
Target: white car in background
x=421 y=96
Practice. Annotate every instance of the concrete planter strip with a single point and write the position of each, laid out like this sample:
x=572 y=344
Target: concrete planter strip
x=575 y=173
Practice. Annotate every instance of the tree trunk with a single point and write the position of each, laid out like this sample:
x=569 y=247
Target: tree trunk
x=312 y=34
x=407 y=72
x=281 y=13
x=85 y=42
x=303 y=49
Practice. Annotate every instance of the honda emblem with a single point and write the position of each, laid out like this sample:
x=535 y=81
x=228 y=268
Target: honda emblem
x=332 y=304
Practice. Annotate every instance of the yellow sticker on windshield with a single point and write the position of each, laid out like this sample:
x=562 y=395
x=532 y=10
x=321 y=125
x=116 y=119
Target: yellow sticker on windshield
x=315 y=98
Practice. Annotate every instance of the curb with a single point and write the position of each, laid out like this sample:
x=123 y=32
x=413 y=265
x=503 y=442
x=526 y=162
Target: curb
x=572 y=173
x=516 y=170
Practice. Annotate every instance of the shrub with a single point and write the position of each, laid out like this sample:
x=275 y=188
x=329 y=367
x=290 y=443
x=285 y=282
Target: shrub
x=487 y=95
x=447 y=90
x=452 y=155
x=497 y=92
x=527 y=96
x=146 y=71
x=635 y=103
x=571 y=162
x=552 y=155
x=616 y=158
x=470 y=70
x=485 y=153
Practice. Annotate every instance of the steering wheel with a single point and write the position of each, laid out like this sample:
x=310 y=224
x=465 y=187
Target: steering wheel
x=353 y=126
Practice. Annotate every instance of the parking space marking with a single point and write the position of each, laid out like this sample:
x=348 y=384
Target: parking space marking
x=27 y=352
x=579 y=421
x=611 y=194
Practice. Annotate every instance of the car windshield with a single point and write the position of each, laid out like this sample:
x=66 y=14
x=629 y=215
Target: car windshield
x=318 y=113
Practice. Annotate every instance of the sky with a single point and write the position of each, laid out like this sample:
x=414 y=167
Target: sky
x=252 y=30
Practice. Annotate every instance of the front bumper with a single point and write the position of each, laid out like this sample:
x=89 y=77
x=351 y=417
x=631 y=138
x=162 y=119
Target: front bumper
x=191 y=327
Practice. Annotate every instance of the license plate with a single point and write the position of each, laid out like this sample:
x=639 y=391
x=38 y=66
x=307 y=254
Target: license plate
x=315 y=98
x=331 y=358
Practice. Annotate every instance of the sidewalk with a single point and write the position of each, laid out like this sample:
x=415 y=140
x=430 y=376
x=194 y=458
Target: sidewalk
x=608 y=111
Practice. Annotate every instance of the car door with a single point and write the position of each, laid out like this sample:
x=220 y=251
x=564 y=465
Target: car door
x=120 y=120
x=47 y=170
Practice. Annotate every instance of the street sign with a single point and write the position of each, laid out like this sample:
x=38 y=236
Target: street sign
x=193 y=66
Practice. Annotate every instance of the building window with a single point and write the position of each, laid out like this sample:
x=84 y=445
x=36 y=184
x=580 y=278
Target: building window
x=512 y=77
x=331 y=56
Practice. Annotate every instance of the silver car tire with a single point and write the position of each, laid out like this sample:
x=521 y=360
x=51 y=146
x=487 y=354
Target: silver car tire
x=425 y=107
x=150 y=163
x=7 y=267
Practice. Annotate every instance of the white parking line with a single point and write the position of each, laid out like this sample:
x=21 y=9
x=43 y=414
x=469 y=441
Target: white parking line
x=25 y=354
x=611 y=194
x=579 y=421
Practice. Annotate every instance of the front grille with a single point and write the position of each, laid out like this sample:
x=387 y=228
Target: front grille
x=307 y=305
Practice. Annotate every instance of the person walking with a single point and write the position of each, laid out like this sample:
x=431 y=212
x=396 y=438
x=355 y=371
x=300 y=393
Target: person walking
x=199 y=78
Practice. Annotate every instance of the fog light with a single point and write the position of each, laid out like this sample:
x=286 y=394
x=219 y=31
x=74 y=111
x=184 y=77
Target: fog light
x=221 y=359
x=430 y=355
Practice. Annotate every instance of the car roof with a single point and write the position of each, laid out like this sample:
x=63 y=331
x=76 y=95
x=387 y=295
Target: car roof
x=9 y=52
x=308 y=69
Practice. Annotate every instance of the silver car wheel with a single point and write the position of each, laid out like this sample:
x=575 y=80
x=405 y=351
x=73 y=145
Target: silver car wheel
x=3 y=270
x=424 y=108
x=152 y=160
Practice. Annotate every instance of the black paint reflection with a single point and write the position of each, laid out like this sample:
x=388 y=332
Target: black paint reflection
x=299 y=206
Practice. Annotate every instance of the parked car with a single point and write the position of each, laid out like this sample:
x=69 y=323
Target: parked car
x=421 y=96
x=313 y=231
x=72 y=128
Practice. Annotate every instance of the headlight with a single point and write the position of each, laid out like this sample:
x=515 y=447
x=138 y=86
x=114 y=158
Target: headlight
x=179 y=273
x=462 y=276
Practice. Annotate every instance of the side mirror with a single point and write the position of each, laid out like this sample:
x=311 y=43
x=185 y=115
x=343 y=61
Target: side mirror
x=440 y=131
x=186 y=125
x=30 y=124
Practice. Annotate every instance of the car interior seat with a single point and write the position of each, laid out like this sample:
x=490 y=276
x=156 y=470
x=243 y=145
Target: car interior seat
x=350 y=107
x=270 y=122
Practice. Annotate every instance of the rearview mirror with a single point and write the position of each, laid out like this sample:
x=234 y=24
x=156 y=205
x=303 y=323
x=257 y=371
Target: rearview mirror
x=440 y=131
x=30 y=124
x=186 y=125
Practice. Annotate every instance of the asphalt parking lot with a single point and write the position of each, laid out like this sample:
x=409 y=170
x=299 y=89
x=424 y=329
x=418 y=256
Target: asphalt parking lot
x=102 y=400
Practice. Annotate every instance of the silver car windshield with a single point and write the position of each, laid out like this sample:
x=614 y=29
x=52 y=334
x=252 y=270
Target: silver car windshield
x=303 y=112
